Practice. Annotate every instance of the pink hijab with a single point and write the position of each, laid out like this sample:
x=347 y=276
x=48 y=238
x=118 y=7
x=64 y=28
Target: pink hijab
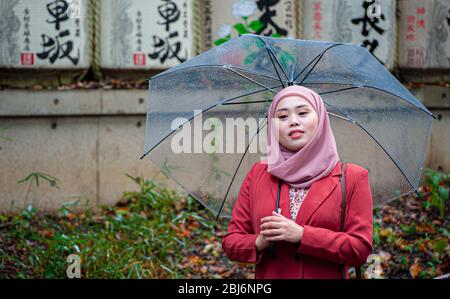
x=312 y=162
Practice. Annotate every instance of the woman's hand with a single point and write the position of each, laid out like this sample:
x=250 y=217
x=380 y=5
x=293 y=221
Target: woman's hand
x=261 y=242
x=279 y=228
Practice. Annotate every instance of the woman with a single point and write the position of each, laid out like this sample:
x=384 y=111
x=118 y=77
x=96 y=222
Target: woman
x=302 y=154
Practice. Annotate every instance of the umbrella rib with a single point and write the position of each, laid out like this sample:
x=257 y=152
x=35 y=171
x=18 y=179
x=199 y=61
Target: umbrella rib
x=317 y=59
x=278 y=74
x=277 y=61
x=210 y=65
x=380 y=89
x=373 y=87
x=342 y=89
x=251 y=102
x=229 y=67
x=376 y=141
x=237 y=168
x=271 y=59
x=306 y=67
x=237 y=103
x=362 y=85
x=338 y=116
x=207 y=109
x=334 y=91
x=321 y=55
x=253 y=73
x=327 y=92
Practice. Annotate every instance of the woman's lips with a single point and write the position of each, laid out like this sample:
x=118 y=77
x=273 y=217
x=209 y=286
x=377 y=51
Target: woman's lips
x=296 y=134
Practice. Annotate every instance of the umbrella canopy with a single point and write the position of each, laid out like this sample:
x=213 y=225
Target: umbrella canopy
x=207 y=117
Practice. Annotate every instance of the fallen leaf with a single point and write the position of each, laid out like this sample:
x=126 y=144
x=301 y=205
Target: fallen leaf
x=415 y=269
x=46 y=233
x=385 y=232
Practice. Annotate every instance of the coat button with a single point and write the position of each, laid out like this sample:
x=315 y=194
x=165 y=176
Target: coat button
x=297 y=256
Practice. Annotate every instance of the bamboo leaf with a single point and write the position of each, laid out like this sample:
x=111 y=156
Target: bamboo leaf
x=241 y=29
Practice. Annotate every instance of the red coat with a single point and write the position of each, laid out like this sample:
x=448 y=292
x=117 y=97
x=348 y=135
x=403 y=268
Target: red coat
x=322 y=247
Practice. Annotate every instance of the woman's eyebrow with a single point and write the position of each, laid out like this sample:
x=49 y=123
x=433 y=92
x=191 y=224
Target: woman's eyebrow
x=299 y=106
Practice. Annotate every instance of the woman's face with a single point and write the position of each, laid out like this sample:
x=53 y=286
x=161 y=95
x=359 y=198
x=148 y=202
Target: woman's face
x=296 y=122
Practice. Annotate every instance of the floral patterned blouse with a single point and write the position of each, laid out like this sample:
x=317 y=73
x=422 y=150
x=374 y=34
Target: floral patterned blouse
x=296 y=199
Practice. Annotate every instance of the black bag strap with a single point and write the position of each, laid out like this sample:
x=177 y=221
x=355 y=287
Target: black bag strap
x=343 y=206
x=344 y=195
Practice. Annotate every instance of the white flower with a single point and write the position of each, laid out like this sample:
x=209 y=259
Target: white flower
x=244 y=8
x=224 y=30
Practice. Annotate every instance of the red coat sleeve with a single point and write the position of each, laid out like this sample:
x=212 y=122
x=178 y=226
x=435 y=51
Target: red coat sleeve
x=239 y=241
x=353 y=245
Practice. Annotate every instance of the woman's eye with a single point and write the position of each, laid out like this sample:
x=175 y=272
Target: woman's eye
x=303 y=113
x=282 y=116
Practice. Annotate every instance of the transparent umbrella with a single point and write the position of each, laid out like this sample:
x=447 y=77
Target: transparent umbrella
x=207 y=117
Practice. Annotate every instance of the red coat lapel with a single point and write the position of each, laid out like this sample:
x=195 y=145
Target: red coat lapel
x=318 y=193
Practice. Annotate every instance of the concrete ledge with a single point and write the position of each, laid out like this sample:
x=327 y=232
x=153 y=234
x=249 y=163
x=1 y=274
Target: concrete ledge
x=16 y=103
x=433 y=96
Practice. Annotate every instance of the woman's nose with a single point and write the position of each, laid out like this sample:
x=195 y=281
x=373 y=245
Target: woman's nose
x=294 y=121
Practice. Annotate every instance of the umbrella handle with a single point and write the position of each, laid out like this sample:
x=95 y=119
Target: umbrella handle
x=272 y=252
